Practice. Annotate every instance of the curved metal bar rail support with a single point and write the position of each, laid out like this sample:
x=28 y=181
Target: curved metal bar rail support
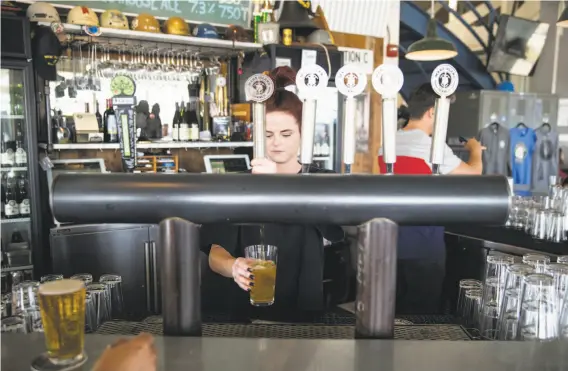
x=376 y=203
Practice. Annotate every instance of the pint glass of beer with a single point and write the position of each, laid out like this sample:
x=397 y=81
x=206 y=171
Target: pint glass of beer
x=62 y=306
x=264 y=272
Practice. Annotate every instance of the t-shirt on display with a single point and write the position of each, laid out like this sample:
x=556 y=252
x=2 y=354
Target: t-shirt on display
x=495 y=139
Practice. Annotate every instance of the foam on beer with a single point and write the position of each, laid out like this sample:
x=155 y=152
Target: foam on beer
x=60 y=287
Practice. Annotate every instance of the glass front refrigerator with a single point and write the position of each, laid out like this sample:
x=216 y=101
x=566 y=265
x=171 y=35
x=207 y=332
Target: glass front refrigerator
x=18 y=156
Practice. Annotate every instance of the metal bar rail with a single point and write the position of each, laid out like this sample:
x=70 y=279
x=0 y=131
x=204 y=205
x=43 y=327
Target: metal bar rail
x=116 y=198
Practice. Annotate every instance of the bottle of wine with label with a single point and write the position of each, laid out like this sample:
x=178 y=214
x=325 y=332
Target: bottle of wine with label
x=23 y=196
x=184 y=126
x=11 y=206
x=20 y=157
x=175 y=124
x=110 y=124
x=7 y=151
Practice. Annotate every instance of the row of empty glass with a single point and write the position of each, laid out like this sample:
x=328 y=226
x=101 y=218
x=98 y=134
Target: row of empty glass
x=542 y=217
x=104 y=301
x=518 y=299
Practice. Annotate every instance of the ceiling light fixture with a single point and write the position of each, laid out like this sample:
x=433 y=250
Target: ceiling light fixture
x=431 y=47
x=563 y=20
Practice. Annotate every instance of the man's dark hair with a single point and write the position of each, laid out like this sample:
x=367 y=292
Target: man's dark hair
x=421 y=100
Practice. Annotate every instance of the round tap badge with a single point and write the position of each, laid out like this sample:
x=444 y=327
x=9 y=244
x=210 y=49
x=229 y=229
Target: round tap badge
x=221 y=81
x=350 y=80
x=311 y=80
x=259 y=88
x=387 y=80
x=444 y=80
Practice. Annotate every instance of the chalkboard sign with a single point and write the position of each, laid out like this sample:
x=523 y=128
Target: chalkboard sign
x=220 y=12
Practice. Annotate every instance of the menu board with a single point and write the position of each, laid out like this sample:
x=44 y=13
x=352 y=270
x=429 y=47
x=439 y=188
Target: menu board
x=221 y=12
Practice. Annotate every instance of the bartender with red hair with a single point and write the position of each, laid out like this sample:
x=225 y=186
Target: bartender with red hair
x=299 y=278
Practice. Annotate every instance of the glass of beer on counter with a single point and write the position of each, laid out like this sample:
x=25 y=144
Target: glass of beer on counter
x=264 y=272
x=62 y=306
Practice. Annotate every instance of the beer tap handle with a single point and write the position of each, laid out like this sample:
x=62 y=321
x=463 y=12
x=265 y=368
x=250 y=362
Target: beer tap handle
x=444 y=82
x=442 y=110
x=258 y=88
x=259 y=129
x=387 y=80
x=349 y=130
x=308 y=133
x=350 y=81
x=310 y=82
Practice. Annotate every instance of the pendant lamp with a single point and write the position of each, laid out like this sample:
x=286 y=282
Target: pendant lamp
x=563 y=20
x=431 y=47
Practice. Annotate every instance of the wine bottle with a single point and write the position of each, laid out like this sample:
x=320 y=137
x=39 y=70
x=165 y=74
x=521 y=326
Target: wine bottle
x=192 y=119
x=325 y=148
x=110 y=125
x=23 y=196
x=3 y=191
x=11 y=207
x=175 y=124
x=99 y=118
x=184 y=125
x=7 y=151
x=20 y=157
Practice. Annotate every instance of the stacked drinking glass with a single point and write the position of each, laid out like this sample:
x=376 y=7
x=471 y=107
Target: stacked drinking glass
x=517 y=301
x=543 y=217
x=103 y=302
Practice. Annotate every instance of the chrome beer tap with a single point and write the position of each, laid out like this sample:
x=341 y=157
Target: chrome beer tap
x=258 y=88
x=444 y=83
x=387 y=80
x=311 y=82
x=350 y=81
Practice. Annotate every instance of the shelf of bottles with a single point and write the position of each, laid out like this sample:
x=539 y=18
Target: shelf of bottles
x=180 y=103
x=15 y=214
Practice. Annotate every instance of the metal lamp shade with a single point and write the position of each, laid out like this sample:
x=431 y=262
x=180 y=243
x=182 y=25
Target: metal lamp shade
x=432 y=47
x=563 y=20
x=293 y=15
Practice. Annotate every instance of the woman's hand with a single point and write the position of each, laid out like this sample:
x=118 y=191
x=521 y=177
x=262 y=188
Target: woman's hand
x=263 y=166
x=242 y=273
x=136 y=354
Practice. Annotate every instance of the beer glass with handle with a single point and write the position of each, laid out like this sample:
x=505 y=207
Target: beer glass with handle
x=62 y=306
x=264 y=272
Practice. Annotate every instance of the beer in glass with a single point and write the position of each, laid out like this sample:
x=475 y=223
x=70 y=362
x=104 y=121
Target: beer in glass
x=264 y=272
x=62 y=305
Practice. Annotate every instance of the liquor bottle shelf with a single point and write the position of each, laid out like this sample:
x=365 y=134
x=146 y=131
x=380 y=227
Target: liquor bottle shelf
x=15 y=168
x=215 y=46
x=150 y=145
x=12 y=117
x=15 y=220
x=20 y=268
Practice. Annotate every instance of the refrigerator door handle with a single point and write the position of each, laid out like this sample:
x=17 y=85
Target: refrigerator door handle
x=148 y=275
x=155 y=273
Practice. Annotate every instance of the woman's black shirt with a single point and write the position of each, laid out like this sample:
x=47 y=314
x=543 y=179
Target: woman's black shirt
x=299 y=275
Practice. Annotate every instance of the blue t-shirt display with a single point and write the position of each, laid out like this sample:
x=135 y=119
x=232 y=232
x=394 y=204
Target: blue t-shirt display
x=522 y=145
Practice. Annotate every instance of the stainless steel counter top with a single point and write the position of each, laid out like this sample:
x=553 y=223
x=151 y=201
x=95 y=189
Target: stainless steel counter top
x=219 y=354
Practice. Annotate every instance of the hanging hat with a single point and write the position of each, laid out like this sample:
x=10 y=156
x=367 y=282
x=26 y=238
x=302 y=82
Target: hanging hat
x=46 y=50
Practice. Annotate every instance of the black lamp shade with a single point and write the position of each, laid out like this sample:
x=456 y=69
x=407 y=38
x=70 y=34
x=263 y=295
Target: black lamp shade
x=432 y=47
x=563 y=20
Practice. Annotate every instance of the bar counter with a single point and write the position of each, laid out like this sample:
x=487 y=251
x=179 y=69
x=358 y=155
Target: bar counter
x=507 y=236
x=196 y=354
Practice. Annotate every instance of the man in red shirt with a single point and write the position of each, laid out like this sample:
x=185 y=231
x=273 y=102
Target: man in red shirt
x=421 y=249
